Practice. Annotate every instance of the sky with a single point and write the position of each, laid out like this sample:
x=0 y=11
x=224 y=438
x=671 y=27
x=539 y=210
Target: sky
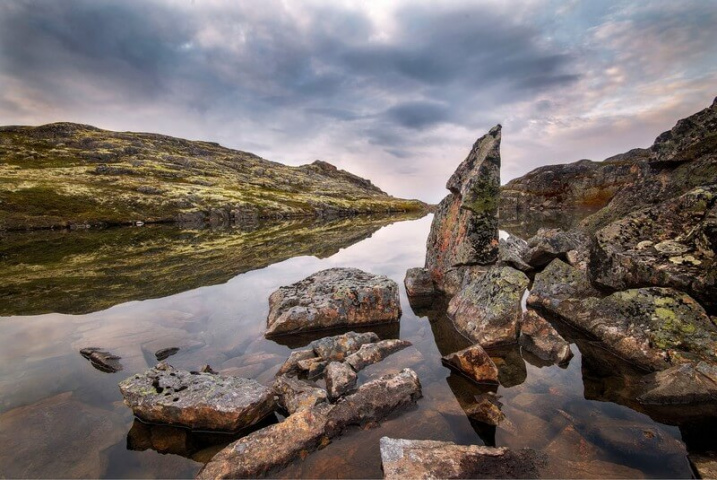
x=395 y=91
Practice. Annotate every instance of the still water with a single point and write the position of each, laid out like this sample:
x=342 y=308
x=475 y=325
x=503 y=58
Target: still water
x=134 y=291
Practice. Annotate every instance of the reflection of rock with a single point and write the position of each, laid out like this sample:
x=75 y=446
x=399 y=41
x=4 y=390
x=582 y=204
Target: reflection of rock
x=464 y=232
x=549 y=244
x=541 y=339
x=157 y=261
x=336 y=297
x=681 y=384
x=488 y=310
x=294 y=394
x=670 y=245
x=418 y=459
x=102 y=360
x=58 y=436
x=303 y=339
x=511 y=366
x=475 y=363
x=273 y=447
x=197 y=400
x=340 y=380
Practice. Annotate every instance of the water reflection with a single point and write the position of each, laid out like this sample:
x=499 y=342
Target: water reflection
x=84 y=271
x=525 y=224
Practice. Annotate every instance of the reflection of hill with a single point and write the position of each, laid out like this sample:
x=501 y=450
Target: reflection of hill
x=79 y=272
x=527 y=224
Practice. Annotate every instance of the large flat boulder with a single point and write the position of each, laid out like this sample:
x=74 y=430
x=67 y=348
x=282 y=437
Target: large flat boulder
x=196 y=400
x=488 y=310
x=428 y=459
x=464 y=232
x=673 y=244
x=271 y=448
x=337 y=297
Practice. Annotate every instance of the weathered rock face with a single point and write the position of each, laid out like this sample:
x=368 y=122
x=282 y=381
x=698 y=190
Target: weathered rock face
x=474 y=363
x=488 y=310
x=673 y=244
x=551 y=243
x=275 y=446
x=196 y=400
x=464 y=233
x=512 y=252
x=424 y=459
x=102 y=360
x=688 y=134
x=340 y=380
x=681 y=385
x=294 y=394
x=333 y=298
x=541 y=339
x=560 y=289
x=418 y=283
x=371 y=353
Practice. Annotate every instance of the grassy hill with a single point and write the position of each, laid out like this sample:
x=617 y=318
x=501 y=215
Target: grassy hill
x=65 y=174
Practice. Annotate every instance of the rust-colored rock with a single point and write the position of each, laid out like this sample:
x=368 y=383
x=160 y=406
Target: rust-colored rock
x=474 y=363
x=294 y=394
x=541 y=339
x=340 y=380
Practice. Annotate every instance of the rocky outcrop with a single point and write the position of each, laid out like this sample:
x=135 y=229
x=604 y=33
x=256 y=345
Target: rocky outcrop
x=273 y=447
x=196 y=400
x=464 y=232
x=337 y=297
x=540 y=338
x=102 y=360
x=673 y=244
x=418 y=283
x=474 y=363
x=551 y=243
x=678 y=161
x=680 y=385
x=426 y=459
x=487 y=311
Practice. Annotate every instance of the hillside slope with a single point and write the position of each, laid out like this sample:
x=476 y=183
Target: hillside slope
x=66 y=174
x=679 y=160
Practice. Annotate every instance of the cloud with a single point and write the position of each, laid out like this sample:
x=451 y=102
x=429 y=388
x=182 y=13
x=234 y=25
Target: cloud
x=390 y=91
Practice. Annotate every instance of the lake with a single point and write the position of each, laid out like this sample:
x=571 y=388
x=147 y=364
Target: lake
x=133 y=291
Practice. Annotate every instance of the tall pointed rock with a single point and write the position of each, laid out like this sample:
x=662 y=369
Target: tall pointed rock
x=464 y=233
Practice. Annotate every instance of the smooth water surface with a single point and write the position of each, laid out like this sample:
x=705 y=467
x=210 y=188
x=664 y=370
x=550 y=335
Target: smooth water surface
x=60 y=417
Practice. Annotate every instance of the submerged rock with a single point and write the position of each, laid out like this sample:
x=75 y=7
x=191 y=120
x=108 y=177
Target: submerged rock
x=196 y=400
x=512 y=251
x=337 y=297
x=680 y=385
x=165 y=353
x=371 y=353
x=294 y=394
x=474 y=363
x=464 y=232
x=487 y=409
x=340 y=380
x=541 y=339
x=273 y=447
x=551 y=243
x=673 y=244
x=102 y=360
x=488 y=310
x=426 y=459
x=418 y=283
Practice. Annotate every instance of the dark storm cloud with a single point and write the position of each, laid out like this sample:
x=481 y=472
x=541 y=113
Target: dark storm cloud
x=418 y=115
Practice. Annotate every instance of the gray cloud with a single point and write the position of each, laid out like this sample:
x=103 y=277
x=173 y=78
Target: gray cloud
x=401 y=93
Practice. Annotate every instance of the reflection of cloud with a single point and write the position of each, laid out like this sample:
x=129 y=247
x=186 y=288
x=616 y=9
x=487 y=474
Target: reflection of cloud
x=373 y=88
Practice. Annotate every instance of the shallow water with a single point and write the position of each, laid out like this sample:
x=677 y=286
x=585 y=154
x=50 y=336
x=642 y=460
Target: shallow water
x=60 y=417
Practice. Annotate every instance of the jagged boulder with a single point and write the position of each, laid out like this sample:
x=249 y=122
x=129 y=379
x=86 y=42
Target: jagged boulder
x=337 y=297
x=512 y=251
x=541 y=339
x=196 y=400
x=371 y=353
x=464 y=232
x=418 y=283
x=273 y=447
x=560 y=289
x=340 y=380
x=673 y=244
x=427 y=459
x=338 y=347
x=294 y=394
x=474 y=363
x=488 y=310
x=551 y=243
